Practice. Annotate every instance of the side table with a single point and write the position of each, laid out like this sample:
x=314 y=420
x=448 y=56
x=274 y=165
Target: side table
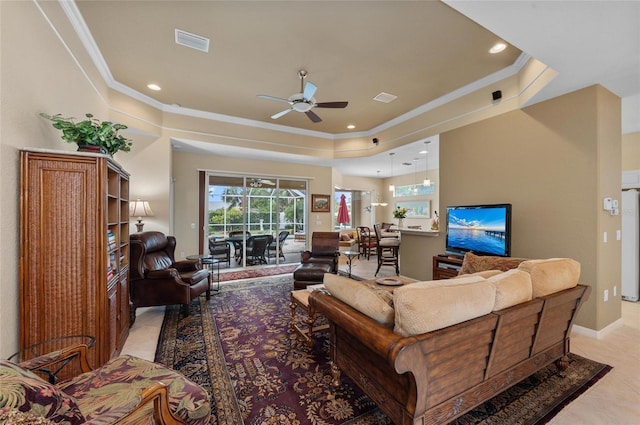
x=207 y=260
x=350 y=255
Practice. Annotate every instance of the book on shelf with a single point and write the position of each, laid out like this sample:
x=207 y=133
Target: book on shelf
x=111 y=240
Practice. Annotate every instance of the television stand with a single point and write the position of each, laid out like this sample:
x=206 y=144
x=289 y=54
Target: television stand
x=446 y=266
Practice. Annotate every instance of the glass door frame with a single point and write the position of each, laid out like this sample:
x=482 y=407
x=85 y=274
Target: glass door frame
x=248 y=184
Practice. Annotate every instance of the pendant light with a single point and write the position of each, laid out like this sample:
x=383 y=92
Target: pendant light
x=377 y=202
x=427 y=181
x=415 y=175
x=392 y=186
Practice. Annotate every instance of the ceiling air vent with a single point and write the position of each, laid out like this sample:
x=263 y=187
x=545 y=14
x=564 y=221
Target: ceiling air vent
x=385 y=97
x=192 y=40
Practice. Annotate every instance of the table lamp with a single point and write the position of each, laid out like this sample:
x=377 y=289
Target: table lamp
x=140 y=209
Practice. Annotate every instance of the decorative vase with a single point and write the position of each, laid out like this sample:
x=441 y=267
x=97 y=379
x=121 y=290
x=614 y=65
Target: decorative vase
x=401 y=222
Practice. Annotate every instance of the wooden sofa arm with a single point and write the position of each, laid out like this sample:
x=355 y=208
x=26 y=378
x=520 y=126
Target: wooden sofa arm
x=158 y=394
x=55 y=357
x=372 y=334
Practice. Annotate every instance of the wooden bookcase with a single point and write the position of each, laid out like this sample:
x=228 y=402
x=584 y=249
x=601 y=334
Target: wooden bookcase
x=74 y=250
x=446 y=267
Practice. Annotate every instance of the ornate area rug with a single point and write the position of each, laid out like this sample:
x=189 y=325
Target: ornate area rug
x=260 y=271
x=240 y=348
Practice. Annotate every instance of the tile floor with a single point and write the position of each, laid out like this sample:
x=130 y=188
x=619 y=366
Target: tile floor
x=614 y=400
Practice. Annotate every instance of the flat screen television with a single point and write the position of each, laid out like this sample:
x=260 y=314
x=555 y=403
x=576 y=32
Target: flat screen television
x=480 y=229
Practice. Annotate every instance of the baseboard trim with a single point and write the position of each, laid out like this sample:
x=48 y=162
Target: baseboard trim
x=592 y=333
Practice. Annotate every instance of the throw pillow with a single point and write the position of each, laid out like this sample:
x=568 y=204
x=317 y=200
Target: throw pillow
x=512 y=287
x=24 y=390
x=475 y=263
x=373 y=302
x=422 y=307
x=552 y=275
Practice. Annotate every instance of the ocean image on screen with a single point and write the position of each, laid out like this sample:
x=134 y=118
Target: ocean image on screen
x=480 y=230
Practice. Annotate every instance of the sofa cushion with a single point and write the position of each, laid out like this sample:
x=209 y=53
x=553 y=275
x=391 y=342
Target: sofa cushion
x=15 y=417
x=377 y=303
x=551 y=275
x=475 y=263
x=424 y=307
x=23 y=390
x=512 y=287
x=114 y=392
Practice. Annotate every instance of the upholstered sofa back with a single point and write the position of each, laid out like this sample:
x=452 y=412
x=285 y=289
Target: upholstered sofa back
x=422 y=307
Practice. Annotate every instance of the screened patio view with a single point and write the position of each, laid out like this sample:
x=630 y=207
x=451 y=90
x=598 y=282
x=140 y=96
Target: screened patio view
x=243 y=213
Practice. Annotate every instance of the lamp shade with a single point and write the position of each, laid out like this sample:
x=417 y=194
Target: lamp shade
x=140 y=208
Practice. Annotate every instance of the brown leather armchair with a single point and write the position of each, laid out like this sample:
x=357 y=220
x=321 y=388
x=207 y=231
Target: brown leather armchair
x=323 y=258
x=157 y=279
x=325 y=249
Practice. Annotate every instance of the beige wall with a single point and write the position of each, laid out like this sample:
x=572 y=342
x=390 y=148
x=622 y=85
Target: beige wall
x=553 y=161
x=550 y=152
x=38 y=75
x=631 y=151
x=185 y=175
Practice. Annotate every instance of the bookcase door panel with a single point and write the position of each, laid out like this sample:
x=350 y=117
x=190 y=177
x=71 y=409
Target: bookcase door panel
x=64 y=252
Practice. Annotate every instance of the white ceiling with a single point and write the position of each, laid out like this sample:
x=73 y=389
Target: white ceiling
x=418 y=50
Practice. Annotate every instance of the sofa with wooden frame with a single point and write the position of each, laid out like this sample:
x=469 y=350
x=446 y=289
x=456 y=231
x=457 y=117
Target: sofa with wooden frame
x=428 y=352
x=125 y=390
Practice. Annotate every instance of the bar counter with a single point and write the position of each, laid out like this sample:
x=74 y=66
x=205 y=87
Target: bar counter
x=417 y=248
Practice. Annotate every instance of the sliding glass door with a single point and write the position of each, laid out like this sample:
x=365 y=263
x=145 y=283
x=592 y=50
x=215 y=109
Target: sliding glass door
x=241 y=207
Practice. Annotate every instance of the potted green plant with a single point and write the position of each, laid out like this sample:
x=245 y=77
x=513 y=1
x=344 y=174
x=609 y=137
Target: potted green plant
x=91 y=134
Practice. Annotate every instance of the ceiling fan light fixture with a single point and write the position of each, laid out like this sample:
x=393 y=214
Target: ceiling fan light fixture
x=304 y=101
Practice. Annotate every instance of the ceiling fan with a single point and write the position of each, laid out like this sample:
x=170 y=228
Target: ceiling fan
x=261 y=182
x=304 y=101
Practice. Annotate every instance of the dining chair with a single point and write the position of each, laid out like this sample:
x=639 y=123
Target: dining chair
x=256 y=249
x=388 y=250
x=275 y=247
x=366 y=242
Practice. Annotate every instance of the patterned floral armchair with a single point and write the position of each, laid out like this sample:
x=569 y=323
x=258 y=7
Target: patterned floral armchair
x=125 y=390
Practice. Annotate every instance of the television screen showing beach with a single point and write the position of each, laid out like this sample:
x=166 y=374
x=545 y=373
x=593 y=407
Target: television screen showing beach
x=480 y=230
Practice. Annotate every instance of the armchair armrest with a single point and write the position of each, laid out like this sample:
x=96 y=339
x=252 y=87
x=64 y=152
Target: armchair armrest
x=58 y=359
x=185 y=265
x=169 y=273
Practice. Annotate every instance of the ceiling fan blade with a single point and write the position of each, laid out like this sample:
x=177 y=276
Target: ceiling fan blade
x=313 y=117
x=332 y=104
x=309 y=90
x=277 y=99
x=281 y=113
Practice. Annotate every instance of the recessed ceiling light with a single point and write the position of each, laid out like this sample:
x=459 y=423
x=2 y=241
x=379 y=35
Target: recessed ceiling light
x=351 y=126
x=497 y=48
x=154 y=87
